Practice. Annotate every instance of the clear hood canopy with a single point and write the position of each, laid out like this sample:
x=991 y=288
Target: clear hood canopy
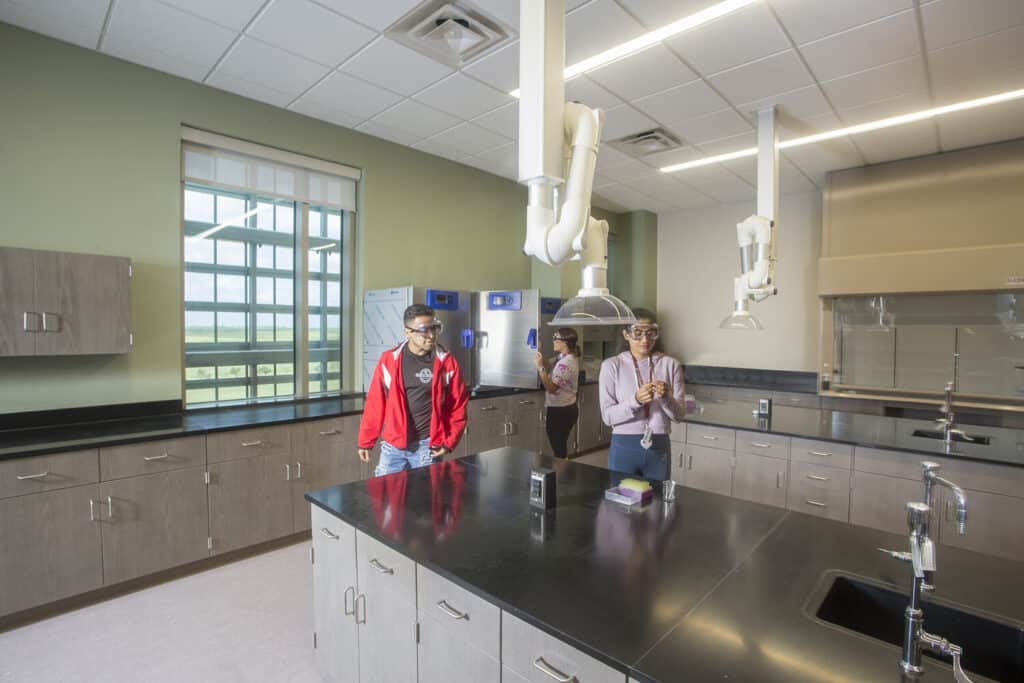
x=593 y=309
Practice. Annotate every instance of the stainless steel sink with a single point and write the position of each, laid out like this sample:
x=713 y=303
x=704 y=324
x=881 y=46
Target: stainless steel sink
x=991 y=648
x=956 y=436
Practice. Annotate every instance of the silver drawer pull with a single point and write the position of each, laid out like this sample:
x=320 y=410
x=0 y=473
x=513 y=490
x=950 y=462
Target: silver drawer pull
x=551 y=671
x=821 y=453
x=818 y=477
x=92 y=510
x=27 y=477
x=486 y=409
x=298 y=470
x=709 y=437
x=33 y=326
x=526 y=403
x=327 y=532
x=330 y=432
x=381 y=568
x=110 y=507
x=815 y=503
x=689 y=462
x=288 y=472
x=778 y=480
x=151 y=458
x=758 y=444
x=250 y=444
x=451 y=611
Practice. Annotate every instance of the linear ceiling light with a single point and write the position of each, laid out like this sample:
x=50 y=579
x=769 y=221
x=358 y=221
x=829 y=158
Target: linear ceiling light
x=652 y=38
x=854 y=130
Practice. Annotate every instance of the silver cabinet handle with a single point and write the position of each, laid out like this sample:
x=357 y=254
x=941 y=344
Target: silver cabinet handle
x=28 y=477
x=487 y=409
x=689 y=462
x=818 y=477
x=352 y=590
x=327 y=532
x=778 y=480
x=330 y=432
x=709 y=437
x=32 y=327
x=815 y=503
x=551 y=671
x=526 y=403
x=823 y=454
x=250 y=444
x=46 y=322
x=92 y=510
x=758 y=444
x=288 y=472
x=381 y=568
x=110 y=507
x=362 y=598
x=151 y=458
x=298 y=470
x=451 y=611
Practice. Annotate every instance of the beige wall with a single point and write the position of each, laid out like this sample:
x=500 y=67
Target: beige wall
x=697 y=260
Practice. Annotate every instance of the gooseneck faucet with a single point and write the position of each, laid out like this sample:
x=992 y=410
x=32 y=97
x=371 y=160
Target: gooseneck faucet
x=929 y=470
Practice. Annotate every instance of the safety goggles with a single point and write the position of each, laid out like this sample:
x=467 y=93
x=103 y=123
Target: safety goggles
x=433 y=329
x=647 y=332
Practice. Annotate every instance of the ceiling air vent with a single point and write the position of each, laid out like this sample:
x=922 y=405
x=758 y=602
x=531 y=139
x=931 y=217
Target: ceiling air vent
x=453 y=33
x=647 y=142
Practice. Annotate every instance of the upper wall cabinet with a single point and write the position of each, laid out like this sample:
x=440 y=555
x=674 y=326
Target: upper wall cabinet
x=56 y=303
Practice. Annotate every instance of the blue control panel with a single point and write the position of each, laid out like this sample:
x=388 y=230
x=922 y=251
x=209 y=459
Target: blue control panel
x=549 y=305
x=442 y=300
x=505 y=301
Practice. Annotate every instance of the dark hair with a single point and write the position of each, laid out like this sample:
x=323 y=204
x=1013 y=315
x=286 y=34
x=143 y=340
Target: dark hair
x=568 y=335
x=641 y=314
x=415 y=311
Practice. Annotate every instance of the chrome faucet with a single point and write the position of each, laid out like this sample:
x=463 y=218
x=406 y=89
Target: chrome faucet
x=948 y=421
x=928 y=471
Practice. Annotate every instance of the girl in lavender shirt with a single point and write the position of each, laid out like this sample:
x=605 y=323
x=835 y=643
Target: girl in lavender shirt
x=642 y=393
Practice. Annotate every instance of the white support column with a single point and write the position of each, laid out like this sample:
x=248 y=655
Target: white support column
x=541 y=90
x=767 y=165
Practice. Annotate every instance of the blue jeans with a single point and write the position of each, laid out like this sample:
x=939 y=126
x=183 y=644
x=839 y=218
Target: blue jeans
x=628 y=456
x=394 y=459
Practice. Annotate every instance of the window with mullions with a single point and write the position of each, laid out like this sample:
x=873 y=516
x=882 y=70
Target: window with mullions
x=326 y=228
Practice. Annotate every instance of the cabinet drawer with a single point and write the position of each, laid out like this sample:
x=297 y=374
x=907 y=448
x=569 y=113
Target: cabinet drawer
x=825 y=453
x=536 y=656
x=678 y=433
x=821 y=491
x=248 y=443
x=467 y=617
x=486 y=408
x=889 y=463
x=119 y=462
x=755 y=443
x=796 y=400
x=713 y=437
x=381 y=568
x=48 y=472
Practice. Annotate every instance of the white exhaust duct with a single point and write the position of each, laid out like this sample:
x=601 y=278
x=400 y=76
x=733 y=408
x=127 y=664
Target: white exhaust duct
x=560 y=229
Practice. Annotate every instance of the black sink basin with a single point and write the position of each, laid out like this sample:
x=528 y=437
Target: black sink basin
x=991 y=648
x=969 y=438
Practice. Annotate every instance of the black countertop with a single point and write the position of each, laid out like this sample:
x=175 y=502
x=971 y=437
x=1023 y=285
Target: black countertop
x=711 y=586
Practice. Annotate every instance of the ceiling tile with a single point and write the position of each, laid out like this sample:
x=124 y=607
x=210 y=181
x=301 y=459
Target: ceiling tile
x=310 y=31
x=672 y=157
x=901 y=142
x=981 y=126
x=593 y=29
x=951 y=21
x=883 y=109
x=378 y=15
x=469 y=139
x=651 y=71
x=733 y=143
x=416 y=118
x=164 y=29
x=140 y=53
x=626 y=197
x=880 y=83
x=461 y=96
x=395 y=67
x=863 y=47
x=766 y=77
x=709 y=127
x=607 y=204
x=807 y=20
x=79 y=23
x=258 y=62
x=979 y=67
x=440 y=149
x=582 y=89
x=657 y=13
x=719 y=183
x=344 y=93
x=818 y=159
x=234 y=14
x=800 y=103
x=736 y=38
x=255 y=91
x=682 y=102
x=502 y=10
x=628 y=170
x=745 y=168
x=503 y=121
x=622 y=121
x=601 y=181
x=506 y=154
x=325 y=113
x=609 y=156
x=790 y=127
x=499 y=69
x=380 y=130
x=664 y=187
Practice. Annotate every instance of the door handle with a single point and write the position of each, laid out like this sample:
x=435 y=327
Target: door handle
x=451 y=611
x=46 y=322
x=351 y=590
x=330 y=432
x=33 y=326
x=298 y=470
x=551 y=671
x=110 y=507
x=329 y=534
x=381 y=568
x=151 y=458
x=361 y=598
x=250 y=444
x=92 y=510
x=29 y=477
x=288 y=472
x=689 y=462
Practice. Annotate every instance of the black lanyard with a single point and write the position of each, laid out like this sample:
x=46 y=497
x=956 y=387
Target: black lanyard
x=640 y=380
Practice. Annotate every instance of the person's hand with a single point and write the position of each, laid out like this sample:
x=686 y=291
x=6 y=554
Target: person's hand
x=438 y=452
x=538 y=358
x=660 y=388
x=364 y=454
x=645 y=394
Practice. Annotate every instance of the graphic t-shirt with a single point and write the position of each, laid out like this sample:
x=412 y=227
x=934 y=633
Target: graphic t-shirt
x=417 y=373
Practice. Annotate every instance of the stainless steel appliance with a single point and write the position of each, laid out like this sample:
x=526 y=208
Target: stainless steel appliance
x=510 y=326
x=383 y=327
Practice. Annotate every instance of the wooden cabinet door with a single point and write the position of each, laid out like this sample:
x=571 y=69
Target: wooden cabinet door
x=760 y=479
x=18 y=313
x=485 y=432
x=325 y=454
x=525 y=423
x=85 y=303
x=49 y=547
x=993 y=524
x=334 y=593
x=250 y=501
x=709 y=469
x=153 y=522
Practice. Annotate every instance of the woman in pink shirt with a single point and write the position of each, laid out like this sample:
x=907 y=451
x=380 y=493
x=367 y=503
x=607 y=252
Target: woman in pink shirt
x=642 y=393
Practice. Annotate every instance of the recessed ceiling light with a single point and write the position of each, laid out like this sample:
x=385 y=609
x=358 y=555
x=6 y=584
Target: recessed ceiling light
x=641 y=43
x=854 y=130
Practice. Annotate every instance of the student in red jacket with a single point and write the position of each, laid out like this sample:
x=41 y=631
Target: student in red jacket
x=416 y=402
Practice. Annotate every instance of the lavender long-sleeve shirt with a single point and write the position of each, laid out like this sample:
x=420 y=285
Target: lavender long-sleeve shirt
x=619 y=407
